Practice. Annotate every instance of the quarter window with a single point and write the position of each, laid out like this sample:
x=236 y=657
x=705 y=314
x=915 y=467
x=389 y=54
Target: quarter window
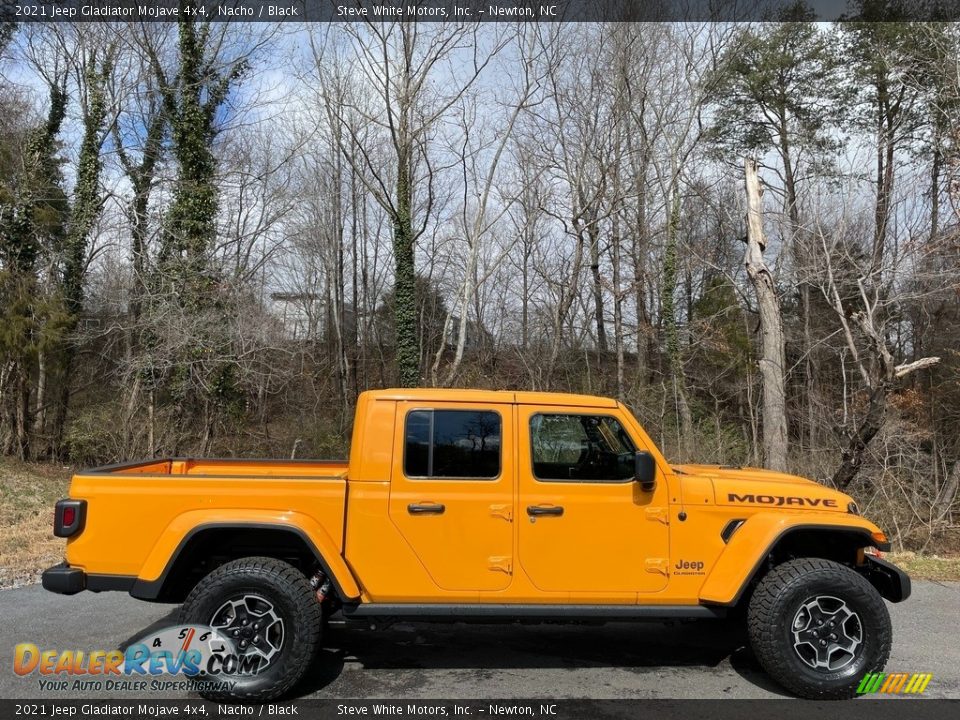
x=452 y=444
x=585 y=448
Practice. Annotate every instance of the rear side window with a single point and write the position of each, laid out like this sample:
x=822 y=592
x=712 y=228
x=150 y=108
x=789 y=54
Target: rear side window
x=580 y=448
x=452 y=444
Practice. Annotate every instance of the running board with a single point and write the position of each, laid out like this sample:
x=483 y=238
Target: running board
x=508 y=611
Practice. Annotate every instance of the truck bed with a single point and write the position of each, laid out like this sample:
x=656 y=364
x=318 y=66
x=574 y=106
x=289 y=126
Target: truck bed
x=143 y=511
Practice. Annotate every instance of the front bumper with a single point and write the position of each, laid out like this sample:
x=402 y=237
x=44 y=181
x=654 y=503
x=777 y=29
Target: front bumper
x=64 y=579
x=889 y=580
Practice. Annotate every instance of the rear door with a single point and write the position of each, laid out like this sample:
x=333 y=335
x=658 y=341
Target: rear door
x=451 y=492
x=584 y=524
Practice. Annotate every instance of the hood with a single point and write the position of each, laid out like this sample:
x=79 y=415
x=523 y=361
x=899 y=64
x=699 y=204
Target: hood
x=759 y=488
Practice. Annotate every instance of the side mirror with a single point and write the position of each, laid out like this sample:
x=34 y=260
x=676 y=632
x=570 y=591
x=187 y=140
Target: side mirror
x=645 y=470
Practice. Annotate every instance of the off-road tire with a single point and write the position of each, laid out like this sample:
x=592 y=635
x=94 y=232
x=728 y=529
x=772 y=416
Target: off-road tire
x=774 y=606
x=294 y=601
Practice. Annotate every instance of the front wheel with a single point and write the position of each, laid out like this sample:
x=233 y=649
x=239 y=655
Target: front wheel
x=817 y=627
x=268 y=610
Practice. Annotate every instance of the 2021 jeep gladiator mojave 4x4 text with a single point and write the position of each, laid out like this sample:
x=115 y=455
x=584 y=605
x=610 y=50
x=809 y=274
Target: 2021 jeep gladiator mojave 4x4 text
x=465 y=505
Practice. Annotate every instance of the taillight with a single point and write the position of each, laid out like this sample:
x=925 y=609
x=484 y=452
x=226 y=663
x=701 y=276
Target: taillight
x=69 y=516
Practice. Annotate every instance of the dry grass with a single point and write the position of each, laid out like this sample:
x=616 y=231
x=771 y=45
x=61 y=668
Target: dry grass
x=927 y=567
x=27 y=494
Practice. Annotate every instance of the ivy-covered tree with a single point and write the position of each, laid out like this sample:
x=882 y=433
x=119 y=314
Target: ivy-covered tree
x=405 y=97
x=189 y=343
x=94 y=67
x=193 y=96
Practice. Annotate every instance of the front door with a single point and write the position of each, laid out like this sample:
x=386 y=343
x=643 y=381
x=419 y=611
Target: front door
x=451 y=494
x=585 y=525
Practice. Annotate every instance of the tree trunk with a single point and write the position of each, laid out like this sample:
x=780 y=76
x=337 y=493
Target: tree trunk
x=64 y=374
x=808 y=369
x=525 y=289
x=22 y=421
x=353 y=324
x=948 y=493
x=40 y=412
x=935 y=187
x=151 y=425
x=468 y=291
x=674 y=359
x=405 y=301
x=772 y=360
x=801 y=260
x=885 y=173
x=594 y=234
x=615 y=243
x=639 y=282
x=856 y=450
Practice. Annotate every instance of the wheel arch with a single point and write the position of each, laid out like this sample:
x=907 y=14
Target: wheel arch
x=762 y=543
x=207 y=546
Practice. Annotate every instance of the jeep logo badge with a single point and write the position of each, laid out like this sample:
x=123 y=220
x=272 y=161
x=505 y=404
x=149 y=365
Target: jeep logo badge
x=689 y=567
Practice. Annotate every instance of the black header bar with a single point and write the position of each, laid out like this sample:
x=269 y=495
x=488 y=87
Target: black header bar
x=26 y=11
x=134 y=708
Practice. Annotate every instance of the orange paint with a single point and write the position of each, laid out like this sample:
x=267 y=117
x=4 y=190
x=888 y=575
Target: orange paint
x=382 y=534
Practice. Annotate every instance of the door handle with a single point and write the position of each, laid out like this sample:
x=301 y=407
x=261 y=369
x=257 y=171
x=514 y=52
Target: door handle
x=534 y=510
x=426 y=508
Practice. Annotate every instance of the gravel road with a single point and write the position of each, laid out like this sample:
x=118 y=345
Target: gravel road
x=618 y=660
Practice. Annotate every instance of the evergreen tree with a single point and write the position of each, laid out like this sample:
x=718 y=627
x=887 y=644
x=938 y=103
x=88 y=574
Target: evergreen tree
x=33 y=212
x=775 y=90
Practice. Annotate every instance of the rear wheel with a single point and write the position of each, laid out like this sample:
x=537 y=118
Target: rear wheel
x=268 y=610
x=817 y=627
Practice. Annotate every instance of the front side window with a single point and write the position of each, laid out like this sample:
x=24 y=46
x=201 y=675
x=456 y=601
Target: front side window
x=585 y=448
x=452 y=444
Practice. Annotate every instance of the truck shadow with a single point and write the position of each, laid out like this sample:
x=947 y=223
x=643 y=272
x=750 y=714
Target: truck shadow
x=167 y=621
x=638 y=647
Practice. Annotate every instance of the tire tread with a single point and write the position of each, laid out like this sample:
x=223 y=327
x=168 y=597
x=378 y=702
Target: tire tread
x=308 y=620
x=764 y=618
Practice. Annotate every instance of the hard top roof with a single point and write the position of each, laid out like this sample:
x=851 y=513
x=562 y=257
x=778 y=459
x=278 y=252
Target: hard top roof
x=490 y=396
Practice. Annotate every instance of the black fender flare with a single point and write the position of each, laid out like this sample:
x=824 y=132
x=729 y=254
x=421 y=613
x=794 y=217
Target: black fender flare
x=152 y=589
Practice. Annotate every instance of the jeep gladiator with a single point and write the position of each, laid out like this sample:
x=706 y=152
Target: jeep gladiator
x=464 y=505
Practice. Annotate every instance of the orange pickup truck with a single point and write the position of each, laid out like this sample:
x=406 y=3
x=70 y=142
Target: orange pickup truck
x=463 y=505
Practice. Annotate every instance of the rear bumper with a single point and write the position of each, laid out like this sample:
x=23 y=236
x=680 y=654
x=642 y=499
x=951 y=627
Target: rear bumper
x=68 y=580
x=64 y=579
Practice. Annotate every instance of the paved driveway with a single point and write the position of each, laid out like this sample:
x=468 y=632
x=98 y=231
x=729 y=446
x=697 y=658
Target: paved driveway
x=618 y=660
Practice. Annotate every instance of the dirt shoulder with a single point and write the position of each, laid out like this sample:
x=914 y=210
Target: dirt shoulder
x=27 y=545
x=927 y=567
x=28 y=492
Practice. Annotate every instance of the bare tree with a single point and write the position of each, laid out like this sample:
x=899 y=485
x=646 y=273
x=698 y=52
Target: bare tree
x=863 y=319
x=405 y=88
x=772 y=362
x=481 y=161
